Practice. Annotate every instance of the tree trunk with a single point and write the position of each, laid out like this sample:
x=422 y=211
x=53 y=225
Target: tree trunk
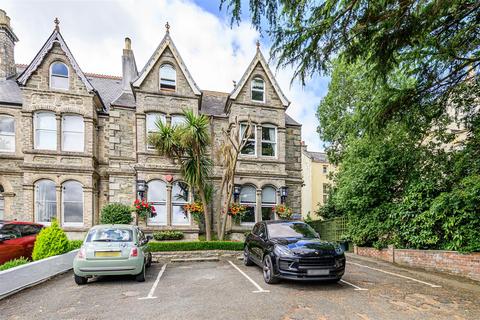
x=206 y=212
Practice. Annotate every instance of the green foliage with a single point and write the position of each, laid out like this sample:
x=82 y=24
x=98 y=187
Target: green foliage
x=168 y=235
x=51 y=241
x=13 y=263
x=195 y=246
x=116 y=213
x=75 y=244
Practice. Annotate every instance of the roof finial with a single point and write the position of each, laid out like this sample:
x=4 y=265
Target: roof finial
x=167 y=26
x=57 y=22
x=258 y=44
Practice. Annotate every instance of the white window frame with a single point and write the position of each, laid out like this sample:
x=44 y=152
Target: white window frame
x=9 y=134
x=162 y=203
x=254 y=128
x=35 y=129
x=147 y=132
x=249 y=204
x=177 y=122
x=257 y=90
x=176 y=202
x=275 y=142
x=268 y=204
x=59 y=76
x=82 y=149
x=72 y=224
x=160 y=77
x=47 y=223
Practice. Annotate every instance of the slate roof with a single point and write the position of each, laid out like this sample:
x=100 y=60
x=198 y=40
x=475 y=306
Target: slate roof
x=109 y=88
x=317 y=156
x=10 y=92
x=213 y=103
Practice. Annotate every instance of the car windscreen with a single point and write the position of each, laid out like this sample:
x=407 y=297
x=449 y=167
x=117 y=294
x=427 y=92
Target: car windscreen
x=110 y=235
x=291 y=230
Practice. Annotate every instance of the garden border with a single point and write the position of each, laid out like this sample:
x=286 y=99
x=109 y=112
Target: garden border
x=27 y=275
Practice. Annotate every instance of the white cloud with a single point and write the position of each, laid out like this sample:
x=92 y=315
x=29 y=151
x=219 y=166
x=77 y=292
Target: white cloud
x=214 y=53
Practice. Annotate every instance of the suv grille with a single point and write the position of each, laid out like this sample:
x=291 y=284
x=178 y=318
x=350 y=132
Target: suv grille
x=305 y=263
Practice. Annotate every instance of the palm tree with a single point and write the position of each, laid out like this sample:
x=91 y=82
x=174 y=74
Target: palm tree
x=187 y=144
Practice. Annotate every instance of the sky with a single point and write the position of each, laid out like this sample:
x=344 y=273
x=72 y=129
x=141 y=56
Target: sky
x=215 y=52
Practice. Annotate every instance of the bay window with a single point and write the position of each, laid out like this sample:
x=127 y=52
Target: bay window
x=73 y=133
x=157 y=196
x=248 y=198
x=269 y=199
x=177 y=120
x=45 y=128
x=72 y=203
x=45 y=201
x=269 y=141
x=250 y=147
x=179 y=200
x=7 y=133
x=152 y=119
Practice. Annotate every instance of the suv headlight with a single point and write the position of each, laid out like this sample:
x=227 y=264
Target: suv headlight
x=281 y=251
x=338 y=250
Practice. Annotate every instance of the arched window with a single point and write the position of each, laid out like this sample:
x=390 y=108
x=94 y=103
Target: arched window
x=45 y=201
x=7 y=133
x=177 y=120
x=248 y=197
x=73 y=133
x=72 y=203
x=269 y=199
x=269 y=140
x=152 y=119
x=168 y=77
x=179 y=200
x=2 y=203
x=157 y=195
x=59 y=76
x=45 y=127
x=258 y=90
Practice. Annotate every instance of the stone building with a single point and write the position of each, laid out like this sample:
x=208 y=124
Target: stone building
x=71 y=142
x=316 y=174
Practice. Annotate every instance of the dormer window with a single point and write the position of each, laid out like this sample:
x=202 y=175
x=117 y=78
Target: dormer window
x=59 y=76
x=258 y=90
x=168 y=77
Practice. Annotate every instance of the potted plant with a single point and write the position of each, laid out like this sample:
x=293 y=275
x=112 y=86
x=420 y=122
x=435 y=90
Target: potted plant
x=283 y=211
x=196 y=211
x=143 y=210
x=237 y=212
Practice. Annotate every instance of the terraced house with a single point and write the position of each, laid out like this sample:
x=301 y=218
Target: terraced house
x=70 y=141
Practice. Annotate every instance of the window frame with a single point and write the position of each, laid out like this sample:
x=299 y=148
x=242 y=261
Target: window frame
x=72 y=224
x=158 y=203
x=59 y=76
x=2 y=205
x=257 y=90
x=269 y=204
x=147 y=132
x=160 y=79
x=36 y=129
x=249 y=204
x=176 y=203
x=9 y=134
x=275 y=142
x=36 y=202
x=74 y=132
x=177 y=116
x=249 y=139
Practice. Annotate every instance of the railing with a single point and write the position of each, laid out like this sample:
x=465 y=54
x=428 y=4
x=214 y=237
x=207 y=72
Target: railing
x=331 y=229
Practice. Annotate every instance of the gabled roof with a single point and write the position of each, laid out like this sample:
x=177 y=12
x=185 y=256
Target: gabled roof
x=166 y=43
x=259 y=58
x=55 y=37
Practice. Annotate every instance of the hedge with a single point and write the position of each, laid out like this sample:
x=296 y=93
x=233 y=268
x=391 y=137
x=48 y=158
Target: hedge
x=168 y=235
x=195 y=246
x=13 y=263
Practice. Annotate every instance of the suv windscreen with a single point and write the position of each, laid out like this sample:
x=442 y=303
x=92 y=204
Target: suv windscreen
x=291 y=230
x=110 y=235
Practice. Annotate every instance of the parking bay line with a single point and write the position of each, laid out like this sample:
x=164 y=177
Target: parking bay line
x=155 y=284
x=357 y=288
x=259 y=289
x=396 y=274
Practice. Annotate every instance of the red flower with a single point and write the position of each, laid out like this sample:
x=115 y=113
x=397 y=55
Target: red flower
x=137 y=206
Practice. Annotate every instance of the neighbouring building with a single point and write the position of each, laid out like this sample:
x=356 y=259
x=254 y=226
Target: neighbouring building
x=71 y=142
x=316 y=173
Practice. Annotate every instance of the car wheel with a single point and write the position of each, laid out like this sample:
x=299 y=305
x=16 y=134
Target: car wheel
x=80 y=280
x=268 y=273
x=149 y=260
x=141 y=276
x=246 y=257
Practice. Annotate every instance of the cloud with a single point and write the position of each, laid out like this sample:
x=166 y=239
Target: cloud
x=214 y=53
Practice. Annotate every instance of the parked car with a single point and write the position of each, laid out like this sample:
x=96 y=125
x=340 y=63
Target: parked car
x=292 y=250
x=114 y=249
x=17 y=239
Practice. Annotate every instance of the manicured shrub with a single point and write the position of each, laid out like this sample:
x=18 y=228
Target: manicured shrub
x=75 y=244
x=13 y=263
x=195 y=246
x=116 y=213
x=168 y=235
x=51 y=241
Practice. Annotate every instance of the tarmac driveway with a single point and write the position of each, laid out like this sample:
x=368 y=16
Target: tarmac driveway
x=228 y=290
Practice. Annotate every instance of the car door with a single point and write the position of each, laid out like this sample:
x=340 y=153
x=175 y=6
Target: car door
x=142 y=242
x=12 y=248
x=257 y=243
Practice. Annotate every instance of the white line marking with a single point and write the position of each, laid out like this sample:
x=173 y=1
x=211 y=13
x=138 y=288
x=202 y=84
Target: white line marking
x=355 y=287
x=396 y=274
x=259 y=289
x=155 y=284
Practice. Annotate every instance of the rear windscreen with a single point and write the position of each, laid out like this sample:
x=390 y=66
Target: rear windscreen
x=110 y=235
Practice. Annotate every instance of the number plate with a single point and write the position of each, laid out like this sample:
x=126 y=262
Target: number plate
x=107 y=254
x=318 y=272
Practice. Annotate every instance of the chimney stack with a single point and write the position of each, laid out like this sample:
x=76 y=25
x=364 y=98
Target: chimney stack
x=129 y=67
x=7 y=44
